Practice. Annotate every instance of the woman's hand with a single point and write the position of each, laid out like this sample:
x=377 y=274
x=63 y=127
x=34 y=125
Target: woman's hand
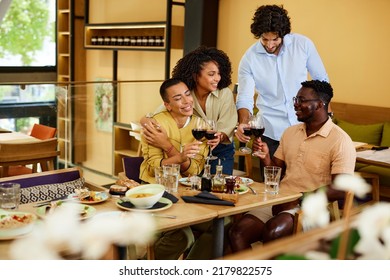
x=214 y=142
x=154 y=134
x=190 y=150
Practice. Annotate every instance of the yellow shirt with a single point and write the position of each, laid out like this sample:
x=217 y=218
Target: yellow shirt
x=311 y=160
x=178 y=137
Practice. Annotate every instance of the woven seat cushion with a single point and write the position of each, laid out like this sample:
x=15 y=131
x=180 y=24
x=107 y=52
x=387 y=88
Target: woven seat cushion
x=49 y=191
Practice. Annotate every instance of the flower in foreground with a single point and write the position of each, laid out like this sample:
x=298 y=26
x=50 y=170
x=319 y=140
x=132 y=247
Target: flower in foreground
x=374 y=230
x=354 y=183
x=62 y=234
x=315 y=211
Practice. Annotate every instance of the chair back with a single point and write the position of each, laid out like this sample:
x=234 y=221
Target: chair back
x=334 y=211
x=43 y=132
x=131 y=167
x=44 y=152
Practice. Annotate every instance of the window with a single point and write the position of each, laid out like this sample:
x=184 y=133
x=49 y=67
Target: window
x=27 y=54
x=27 y=33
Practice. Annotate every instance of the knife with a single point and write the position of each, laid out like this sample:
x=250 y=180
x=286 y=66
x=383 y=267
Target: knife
x=164 y=216
x=62 y=198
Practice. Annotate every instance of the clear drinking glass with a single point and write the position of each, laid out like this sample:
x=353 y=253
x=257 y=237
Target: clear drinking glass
x=171 y=177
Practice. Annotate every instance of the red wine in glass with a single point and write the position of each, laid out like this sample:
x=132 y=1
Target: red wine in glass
x=248 y=131
x=198 y=133
x=257 y=132
x=246 y=149
x=210 y=135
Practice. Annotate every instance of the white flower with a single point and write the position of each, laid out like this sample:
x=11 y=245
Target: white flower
x=62 y=233
x=315 y=255
x=354 y=183
x=373 y=226
x=315 y=211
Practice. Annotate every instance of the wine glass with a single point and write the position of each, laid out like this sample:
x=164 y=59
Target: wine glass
x=258 y=129
x=248 y=132
x=200 y=129
x=210 y=135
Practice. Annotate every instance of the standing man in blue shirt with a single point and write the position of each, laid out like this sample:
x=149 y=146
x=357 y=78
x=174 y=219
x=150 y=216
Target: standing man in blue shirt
x=274 y=67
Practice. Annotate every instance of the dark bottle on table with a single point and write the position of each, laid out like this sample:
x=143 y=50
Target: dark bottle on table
x=206 y=179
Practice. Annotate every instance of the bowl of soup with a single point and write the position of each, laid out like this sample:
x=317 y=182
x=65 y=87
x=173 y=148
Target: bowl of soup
x=145 y=196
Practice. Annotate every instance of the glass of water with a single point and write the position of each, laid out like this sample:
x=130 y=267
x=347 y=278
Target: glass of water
x=171 y=177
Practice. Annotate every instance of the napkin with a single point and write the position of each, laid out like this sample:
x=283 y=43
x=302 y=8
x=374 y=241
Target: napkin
x=171 y=197
x=205 y=197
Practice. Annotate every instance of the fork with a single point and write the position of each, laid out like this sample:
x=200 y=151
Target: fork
x=249 y=187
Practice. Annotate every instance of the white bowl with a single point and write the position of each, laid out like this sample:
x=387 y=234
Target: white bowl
x=145 y=196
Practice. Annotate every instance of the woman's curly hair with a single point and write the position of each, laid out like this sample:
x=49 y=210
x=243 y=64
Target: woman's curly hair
x=193 y=62
x=270 y=18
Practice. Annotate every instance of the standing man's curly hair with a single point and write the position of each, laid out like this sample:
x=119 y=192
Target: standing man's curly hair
x=270 y=18
x=192 y=63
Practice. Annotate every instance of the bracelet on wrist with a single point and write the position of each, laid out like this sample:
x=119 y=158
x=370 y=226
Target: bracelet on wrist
x=169 y=150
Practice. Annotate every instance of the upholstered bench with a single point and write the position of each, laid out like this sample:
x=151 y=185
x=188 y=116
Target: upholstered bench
x=367 y=124
x=49 y=184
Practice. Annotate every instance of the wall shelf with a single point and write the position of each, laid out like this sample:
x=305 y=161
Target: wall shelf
x=132 y=36
x=125 y=145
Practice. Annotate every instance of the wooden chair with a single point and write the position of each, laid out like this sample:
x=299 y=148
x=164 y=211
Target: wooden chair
x=18 y=154
x=248 y=165
x=334 y=210
x=373 y=197
x=39 y=131
x=43 y=132
x=131 y=168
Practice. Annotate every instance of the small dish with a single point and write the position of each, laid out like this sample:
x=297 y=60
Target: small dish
x=165 y=203
x=243 y=180
x=85 y=211
x=15 y=224
x=241 y=189
x=93 y=198
x=185 y=181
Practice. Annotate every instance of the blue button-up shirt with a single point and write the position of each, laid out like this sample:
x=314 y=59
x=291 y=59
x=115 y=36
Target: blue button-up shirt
x=277 y=79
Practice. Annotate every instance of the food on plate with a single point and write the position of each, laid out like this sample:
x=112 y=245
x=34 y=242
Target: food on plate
x=92 y=197
x=82 y=192
x=118 y=190
x=242 y=180
x=127 y=183
x=11 y=221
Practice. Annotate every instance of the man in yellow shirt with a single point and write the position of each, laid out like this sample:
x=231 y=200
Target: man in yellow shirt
x=178 y=121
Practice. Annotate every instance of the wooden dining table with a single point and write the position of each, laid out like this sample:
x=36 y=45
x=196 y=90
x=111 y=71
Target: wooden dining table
x=188 y=214
x=16 y=137
x=365 y=154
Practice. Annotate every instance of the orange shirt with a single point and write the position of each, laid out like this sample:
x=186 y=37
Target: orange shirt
x=311 y=160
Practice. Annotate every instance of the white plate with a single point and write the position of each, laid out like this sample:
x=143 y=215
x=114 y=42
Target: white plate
x=249 y=181
x=103 y=195
x=15 y=232
x=162 y=200
x=185 y=181
x=242 y=189
x=90 y=211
